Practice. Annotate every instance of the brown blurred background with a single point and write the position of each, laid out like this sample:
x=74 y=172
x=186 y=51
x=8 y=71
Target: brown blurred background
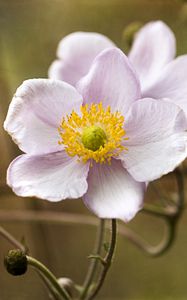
x=29 y=33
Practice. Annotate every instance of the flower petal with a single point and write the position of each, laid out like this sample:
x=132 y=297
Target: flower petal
x=153 y=48
x=56 y=71
x=76 y=52
x=112 y=192
x=36 y=111
x=172 y=83
x=111 y=80
x=53 y=177
x=157 y=139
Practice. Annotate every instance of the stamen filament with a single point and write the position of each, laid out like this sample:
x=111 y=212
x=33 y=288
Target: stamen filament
x=106 y=130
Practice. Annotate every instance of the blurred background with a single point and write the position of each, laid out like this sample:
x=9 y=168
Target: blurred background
x=29 y=34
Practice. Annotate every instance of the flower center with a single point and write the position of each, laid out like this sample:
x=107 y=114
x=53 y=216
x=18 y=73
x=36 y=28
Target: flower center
x=93 y=137
x=96 y=134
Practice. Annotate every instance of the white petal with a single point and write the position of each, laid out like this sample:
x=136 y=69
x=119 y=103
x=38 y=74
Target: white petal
x=153 y=48
x=112 y=192
x=76 y=52
x=56 y=71
x=36 y=112
x=111 y=80
x=172 y=83
x=61 y=70
x=53 y=177
x=157 y=139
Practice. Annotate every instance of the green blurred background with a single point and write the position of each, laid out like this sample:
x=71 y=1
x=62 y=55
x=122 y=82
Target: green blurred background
x=29 y=34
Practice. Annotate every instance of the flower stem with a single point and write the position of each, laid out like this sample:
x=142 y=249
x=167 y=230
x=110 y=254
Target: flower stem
x=142 y=244
x=53 y=293
x=171 y=216
x=171 y=211
x=49 y=275
x=159 y=211
x=46 y=217
x=107 y=261
x=4 y=233
x=94 y=261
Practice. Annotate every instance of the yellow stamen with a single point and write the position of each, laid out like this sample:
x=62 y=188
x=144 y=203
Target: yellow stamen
x=96 y=135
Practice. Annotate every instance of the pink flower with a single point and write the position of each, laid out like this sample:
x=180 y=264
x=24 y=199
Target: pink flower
x=76 y=53
x=152 y=55
x=97 y=141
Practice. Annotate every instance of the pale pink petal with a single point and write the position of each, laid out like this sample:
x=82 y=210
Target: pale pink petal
x=112 y=80
x=36 y=112
x=157 y=139
x=53 y=177
x=172 y=83
x=153 y=48
x=112 y=192
x=76 y=52
x=56 y=69
x=61 y=70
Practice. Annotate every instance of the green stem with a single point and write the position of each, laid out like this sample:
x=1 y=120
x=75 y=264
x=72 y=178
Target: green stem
x=171 y=216
x=51 y=289
x=49 y=275
x=162 y=212
x=94 y=262
x=108 y=260
x=68 y=218
x=142 y=244
x=46 y=216
x=172 y=211
x=11 y=239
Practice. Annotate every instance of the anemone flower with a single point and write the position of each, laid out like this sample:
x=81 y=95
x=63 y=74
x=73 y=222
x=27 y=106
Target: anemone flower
x=100 y=141
x=152 y=55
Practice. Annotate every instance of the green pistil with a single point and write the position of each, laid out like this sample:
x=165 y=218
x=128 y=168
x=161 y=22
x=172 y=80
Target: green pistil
x=93 y=137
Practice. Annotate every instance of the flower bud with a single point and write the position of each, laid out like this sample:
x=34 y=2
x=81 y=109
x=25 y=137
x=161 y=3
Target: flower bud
x=16 y=262
x=67 y=284
x=183 y=13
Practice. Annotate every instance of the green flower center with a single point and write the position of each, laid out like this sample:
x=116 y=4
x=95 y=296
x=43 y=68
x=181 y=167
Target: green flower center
x=93 y=137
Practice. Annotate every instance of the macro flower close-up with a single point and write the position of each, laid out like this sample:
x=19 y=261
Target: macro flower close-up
x=152 y=55
x=100 y=141
x=93 y=98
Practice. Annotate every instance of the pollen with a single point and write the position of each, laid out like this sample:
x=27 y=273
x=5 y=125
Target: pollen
x=96 y=134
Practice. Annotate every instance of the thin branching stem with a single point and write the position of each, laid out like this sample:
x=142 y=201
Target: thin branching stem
x=53 y=292
x=107 y=260
x=146 y=247
x=94 y=261
x=49 y=275
x=170 y=214
x=5 y=234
